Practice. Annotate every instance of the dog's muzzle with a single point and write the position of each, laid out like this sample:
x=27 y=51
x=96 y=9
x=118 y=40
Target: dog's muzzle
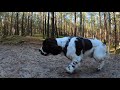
x=42 y=52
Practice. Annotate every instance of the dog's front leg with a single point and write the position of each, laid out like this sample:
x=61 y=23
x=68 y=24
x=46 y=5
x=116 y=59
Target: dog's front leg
x=102 y=63
x=73 y=65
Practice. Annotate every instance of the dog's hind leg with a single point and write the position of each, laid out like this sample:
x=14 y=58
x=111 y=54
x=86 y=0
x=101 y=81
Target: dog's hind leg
x=102 y=63
x=73 y=65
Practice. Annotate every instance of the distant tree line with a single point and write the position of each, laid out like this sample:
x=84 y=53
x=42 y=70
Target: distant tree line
x=102 y=25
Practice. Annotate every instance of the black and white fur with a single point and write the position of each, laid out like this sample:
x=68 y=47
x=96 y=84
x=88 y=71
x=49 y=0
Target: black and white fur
x=75 y=48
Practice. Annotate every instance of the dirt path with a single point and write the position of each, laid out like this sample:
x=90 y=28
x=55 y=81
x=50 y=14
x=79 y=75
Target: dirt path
x=24 y=61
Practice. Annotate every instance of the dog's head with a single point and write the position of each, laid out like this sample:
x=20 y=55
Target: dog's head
x=50 y=46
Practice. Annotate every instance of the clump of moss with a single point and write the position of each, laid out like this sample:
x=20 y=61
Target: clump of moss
x=11 y=39
x=15 y=39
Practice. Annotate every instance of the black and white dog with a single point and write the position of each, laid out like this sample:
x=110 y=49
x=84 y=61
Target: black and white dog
x=76 y=48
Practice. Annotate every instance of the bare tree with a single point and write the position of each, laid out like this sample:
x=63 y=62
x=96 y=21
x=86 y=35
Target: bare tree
x=81 y=23
x=61 y=23
x=75 y=23
x=31 y=23
x=109 y=31
x=11 y=24
x=53 y=28
x=17 y=24
x=100 y=25
x=48 y=25
x=105 y=25
x=115 y=31
x=43 y=26
x=23 y=29
x=56 y=25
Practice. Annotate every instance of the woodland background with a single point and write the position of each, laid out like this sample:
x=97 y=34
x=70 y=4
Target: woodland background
x=17 y=27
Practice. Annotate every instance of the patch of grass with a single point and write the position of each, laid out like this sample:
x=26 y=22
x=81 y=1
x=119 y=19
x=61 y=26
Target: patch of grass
x=60 y=36
x=33 y=39
x=15 y=39
x=11 y=39
x=112 y=49
x=118 y=51
x=112 y=46
x=37 y=35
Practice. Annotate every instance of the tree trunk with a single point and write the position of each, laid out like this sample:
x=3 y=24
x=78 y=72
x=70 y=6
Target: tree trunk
x=40 y=23
x=43 y=27
x=56 y=25
x=17 y=24
x=94 y=31
x=100 y=26
x=31 y=23
x=28 y=26
x=119 y=31
x=64 y=25
x=115 y=31
x=75 y=23
x=1 y=26
x=5 y=27
x=22 y=30
x=66 y=29
x=109 y=31
x=11 y=24
x=83 y=27
x=81 y=31
x=61 y=24
x=48 y=25
x=105 y=25
x=25 y=24
x=45 y=24
x=53 y=28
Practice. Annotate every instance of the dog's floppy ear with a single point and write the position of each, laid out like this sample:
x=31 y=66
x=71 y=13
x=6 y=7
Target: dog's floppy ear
x=55 y=50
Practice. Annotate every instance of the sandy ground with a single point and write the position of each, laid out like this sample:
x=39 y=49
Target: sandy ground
x=25 y=61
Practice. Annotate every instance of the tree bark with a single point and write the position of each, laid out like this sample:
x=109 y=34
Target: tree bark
x=22 y=30
x=53 y=28
x=43 y=26
x=83 y=27
x=56 y=25
x=11 y=24
x=81 y=24
x=115 y=31
x=105 y=25
x=48 y=25
x=17 y=24
x=61 y=24
x=28 y=26
x=100 y=26
x=64 y=25
x=109 y=31
x=31 y=24
x=75 y=23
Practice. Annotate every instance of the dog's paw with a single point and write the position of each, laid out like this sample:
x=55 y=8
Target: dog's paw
x=98 y=69
x=70 y=69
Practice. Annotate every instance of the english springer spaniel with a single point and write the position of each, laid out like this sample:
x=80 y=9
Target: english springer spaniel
x=76 y=48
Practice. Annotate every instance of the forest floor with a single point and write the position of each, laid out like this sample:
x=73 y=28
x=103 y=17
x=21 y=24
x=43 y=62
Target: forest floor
x=25 y=61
